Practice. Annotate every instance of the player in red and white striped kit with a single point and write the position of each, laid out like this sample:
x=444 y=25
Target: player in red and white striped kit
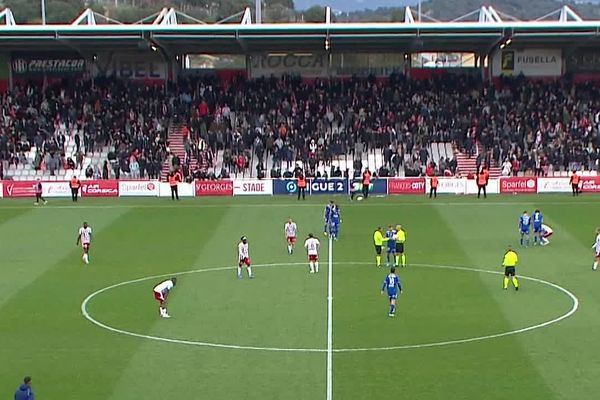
x=312 y=248
x=290 y=230
x=244 y=258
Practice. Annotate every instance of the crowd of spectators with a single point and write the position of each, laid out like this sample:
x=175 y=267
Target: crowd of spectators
x=129 y=119
x=522 y=126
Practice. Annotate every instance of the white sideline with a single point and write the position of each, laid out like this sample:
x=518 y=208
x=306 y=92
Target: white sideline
x=330 y=321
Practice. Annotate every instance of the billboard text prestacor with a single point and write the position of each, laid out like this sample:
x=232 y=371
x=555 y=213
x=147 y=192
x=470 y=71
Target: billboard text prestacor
x=518 y=184
x=406 y=185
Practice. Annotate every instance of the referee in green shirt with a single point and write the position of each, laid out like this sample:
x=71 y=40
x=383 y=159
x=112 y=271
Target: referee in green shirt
x=378 y=242
x=511 y=259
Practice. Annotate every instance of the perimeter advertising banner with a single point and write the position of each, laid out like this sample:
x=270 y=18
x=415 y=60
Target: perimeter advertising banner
x=99 y=188
x=406 y=185
x=138 y=188
x=214 y=188
x=377 y=186
x=529 y=62
x=252 y=187
x=19 y=189
x=284 y=186
x=315 y=186
x=588 y=184
x=519 y=184
x=328 y=186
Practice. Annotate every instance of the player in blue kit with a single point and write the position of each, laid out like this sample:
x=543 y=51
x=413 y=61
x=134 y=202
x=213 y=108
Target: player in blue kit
x=335 y=219
x=327 y=217
x=392 y=285
x=390 y=239
x=538 y=232
x=524 y=227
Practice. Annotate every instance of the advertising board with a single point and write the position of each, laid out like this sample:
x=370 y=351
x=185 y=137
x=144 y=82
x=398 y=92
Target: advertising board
x=518 y=184
x=328 y=186
x=99 y=188
x=250 y=187
x=214 y=188
x=406 y=185
x=529 y=62
x=138 y=188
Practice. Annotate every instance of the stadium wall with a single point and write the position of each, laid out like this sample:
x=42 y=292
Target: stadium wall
x=288 y=187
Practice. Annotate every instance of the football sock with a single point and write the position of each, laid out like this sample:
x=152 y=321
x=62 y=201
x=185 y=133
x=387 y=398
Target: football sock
x=311 y=266
x=249 y=271
x=392 y=308
x=403 y=260
x=505 y=286
x=595 y=267
x=239 y=271
x=535 y=239
x=397 y=260
x=289 y=249
x=515 y=282
x=521 y=241
x=86 y=258
x=378 y=260
x=317 y=266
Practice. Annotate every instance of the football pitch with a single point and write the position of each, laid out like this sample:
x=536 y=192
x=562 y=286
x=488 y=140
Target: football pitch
x=93 y=331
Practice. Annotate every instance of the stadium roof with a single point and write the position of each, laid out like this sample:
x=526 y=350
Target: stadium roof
x=176 y=33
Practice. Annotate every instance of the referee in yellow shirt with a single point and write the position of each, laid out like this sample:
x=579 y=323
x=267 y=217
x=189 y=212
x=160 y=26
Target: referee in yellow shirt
x=400 y=239
x=378 y=242
x=511 y=259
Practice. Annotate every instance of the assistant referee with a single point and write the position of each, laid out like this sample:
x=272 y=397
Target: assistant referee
x=378 y=242
x=511 y=259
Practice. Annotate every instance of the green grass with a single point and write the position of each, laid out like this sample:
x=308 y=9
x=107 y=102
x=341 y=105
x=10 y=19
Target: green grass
x=43 y=283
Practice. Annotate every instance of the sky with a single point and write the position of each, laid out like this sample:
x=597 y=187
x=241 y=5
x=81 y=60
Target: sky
x=352 y=5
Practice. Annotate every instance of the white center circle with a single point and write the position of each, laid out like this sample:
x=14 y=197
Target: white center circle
x=89 y=317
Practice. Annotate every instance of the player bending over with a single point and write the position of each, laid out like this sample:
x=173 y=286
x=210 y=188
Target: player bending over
x=335 y=221
x=85 y=238
x=161 y=293
x=312 y=249
x=545 y=235
x=392 y=285
x=244 y=258
x=390 y=239
x=538 y=221
x=524 y=227
x=290 y=231
x=596 y=248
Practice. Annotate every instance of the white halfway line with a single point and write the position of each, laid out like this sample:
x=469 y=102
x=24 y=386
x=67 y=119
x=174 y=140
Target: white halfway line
x=330 y=321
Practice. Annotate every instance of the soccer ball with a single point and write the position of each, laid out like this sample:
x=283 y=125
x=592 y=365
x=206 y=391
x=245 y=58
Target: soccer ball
x=359 y=198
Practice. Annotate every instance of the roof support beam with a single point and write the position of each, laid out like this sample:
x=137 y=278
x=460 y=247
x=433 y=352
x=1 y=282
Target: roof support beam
x=408 y=16
x=87 y=17
x=327 y=15
x=247 y=17
x=9 y=19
